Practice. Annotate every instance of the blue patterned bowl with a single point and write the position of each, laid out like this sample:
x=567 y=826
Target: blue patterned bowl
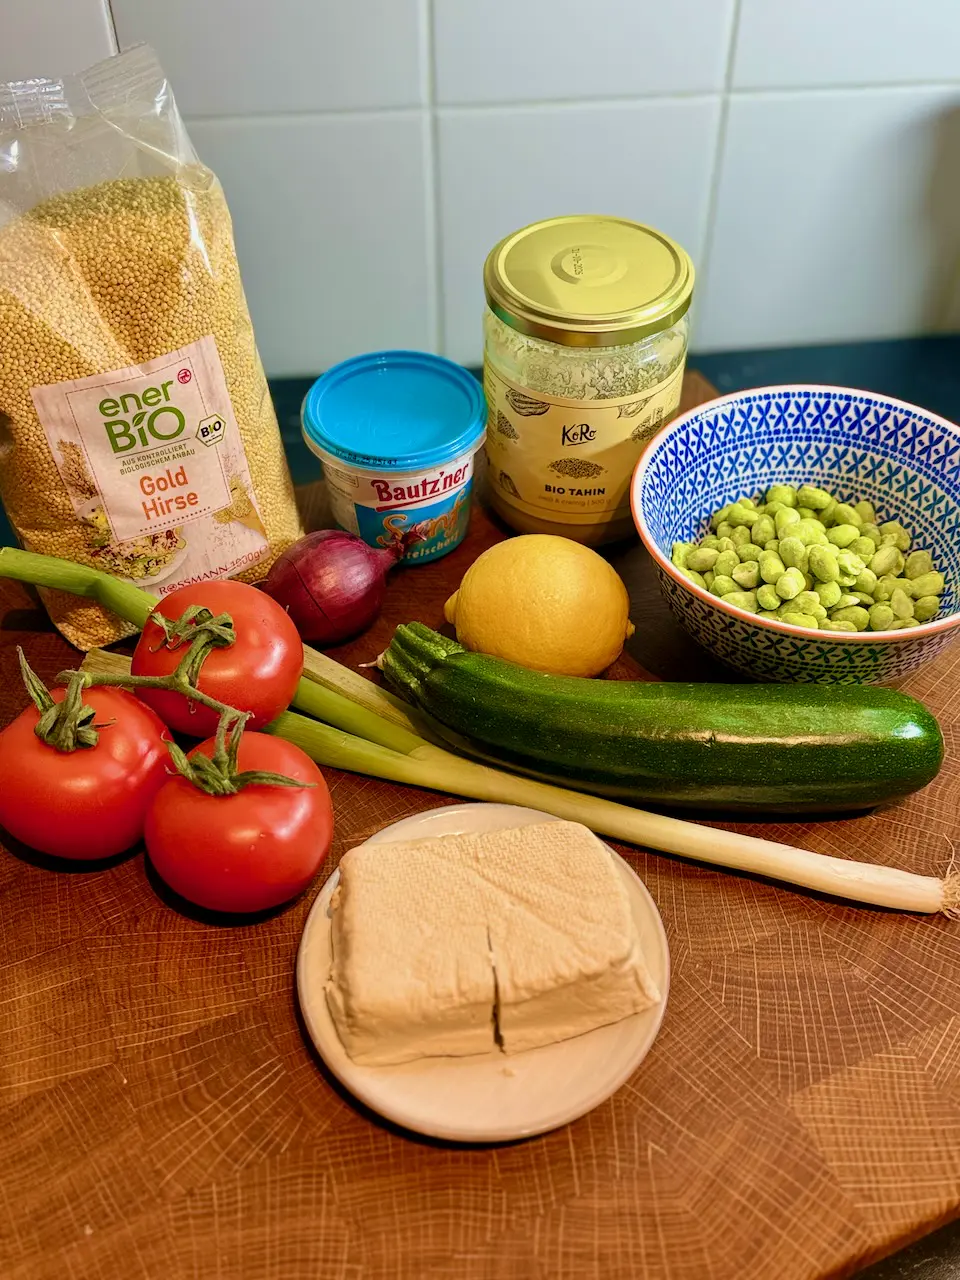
x=853 y=443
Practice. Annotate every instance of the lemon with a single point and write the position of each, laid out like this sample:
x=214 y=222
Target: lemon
x=542 y=602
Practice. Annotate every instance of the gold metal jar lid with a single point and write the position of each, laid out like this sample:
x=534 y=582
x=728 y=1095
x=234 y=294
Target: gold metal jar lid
x=588 y=281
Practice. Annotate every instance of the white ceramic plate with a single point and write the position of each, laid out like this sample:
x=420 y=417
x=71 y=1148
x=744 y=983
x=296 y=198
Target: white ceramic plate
x=491 y=1097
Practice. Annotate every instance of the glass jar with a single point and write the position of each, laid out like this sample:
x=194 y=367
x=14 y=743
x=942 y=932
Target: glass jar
x=585 y=341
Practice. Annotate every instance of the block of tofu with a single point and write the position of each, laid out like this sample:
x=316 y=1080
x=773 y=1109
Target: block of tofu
x=565 y=946
x=452 y=946
x=411 y=974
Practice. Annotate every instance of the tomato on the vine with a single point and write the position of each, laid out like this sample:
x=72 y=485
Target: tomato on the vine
x=249 y=851
x=90 y=802
x=258 y=673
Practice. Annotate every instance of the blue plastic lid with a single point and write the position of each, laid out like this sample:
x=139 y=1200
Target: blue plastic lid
x=394 y=411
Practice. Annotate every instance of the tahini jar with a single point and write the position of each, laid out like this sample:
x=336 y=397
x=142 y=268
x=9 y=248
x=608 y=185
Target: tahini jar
x=585 y=340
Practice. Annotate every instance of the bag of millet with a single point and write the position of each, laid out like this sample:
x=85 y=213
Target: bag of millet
x=136 y=429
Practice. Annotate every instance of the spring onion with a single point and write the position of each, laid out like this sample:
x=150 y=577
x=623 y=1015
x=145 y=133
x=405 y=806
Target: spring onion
x=358 y=740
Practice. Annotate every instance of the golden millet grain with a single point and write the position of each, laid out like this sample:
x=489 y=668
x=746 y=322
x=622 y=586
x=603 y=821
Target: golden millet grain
x=109 y=276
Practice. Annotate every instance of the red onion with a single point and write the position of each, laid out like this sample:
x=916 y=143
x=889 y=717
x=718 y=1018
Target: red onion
x=332 y=584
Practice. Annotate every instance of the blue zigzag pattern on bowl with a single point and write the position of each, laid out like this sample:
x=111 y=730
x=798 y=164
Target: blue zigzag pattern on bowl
x=852 y=443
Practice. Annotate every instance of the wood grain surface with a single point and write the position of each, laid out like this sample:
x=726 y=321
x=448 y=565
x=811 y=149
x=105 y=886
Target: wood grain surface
x=162 y=1115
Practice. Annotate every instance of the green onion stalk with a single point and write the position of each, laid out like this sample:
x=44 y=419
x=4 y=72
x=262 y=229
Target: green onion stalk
x=353 y=725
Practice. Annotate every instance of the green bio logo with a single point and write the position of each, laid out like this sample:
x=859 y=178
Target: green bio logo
x=150 y=419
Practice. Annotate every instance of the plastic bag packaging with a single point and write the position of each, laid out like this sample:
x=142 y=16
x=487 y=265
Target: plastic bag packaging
x=137 y=432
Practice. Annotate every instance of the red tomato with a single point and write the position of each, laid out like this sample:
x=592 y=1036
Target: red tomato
x=258 y=673
x=88 y=803
x=248 y=851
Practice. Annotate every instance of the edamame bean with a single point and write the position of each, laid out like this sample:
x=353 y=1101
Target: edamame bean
x=864 y=548
x=809 y=532
x=887 y=585
x=793 y=553
x=718 y=517
x=772 y=545
x=806 y=602
x=678 y=555
x=881 y=615
x=854 y=613
x=763 y=531
x=809 y=496
x=844 y=535
x=917 y=564
x=722 y=585
x=784 y=518
x=822 y=564
x=901 y=604
x=866 y=511
x=708 y=578
x=789 y=584
x=740 y=535
x=928 y=584
x=836 y=624
x=726 y=544
x=926 y=607
x=845 y=602
x=887 y=560
x=827 y=515
x=726 y=562
x=772 y=508
x=872 y=532
x=694 y=577
x=742 y=599
x=800 y=620
x=867 y=581
x=784 y=493
x=739 y=515
x=771 y=566
x=829 y=593
x=899 y=623
x=710 y=543
x=702 y=558
x=806 y=513
x=772 y=614
x=845 y=514
x=894 y=529
x=864 y=597
x=724 y=530
x=747 y=575
x=849 y=563
x=749 y=551
x=767 y=597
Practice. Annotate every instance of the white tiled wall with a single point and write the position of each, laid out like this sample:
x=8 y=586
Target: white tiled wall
x=806 y=152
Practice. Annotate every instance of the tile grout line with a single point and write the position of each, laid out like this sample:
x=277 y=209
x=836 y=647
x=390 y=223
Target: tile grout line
x=432 y=170
x=713 y=191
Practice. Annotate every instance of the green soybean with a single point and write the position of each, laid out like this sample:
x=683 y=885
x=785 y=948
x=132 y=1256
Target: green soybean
x=784 y=518
x=854 y=613
x=917 y=564
x=829 y=593
x=928 y=584
x=866 y=511
x=763 y=530
x=784 y=493
x=726 y=562
x=767 y=597
x=747 y=575
x=872 y=532
x=739 y=515
x=722 y=585
x=901 y=604
x=807 y=513
x=864 y=548
x=809 y=496
x=749 y=551
x=888 y=559
x=726 y=544
x=702 y=558
x=846 y=600
x=789 y=584
x=678 y=555
x=926 y=607
x=694 y=577
x=837 y=624
x=881 y=615
x=864 y=598
x=793 y=553
x=742 y=599
x=708 y=578
x=724 y=530
x=809 y=532
x=771 y=566
x=866 y=581
x=843 y=513
x=822 y=563
x=894 y=529
x=844 y=535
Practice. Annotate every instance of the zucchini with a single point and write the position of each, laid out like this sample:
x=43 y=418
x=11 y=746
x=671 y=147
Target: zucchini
x=790 y=748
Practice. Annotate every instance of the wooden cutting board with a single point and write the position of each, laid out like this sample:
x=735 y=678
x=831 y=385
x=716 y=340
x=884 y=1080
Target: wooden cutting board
x=161 y=1114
